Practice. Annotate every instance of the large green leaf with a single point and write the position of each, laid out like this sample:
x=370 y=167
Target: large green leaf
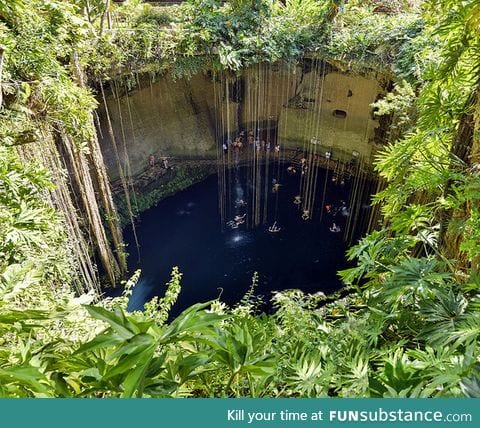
x=117 y=321
x=28 y=376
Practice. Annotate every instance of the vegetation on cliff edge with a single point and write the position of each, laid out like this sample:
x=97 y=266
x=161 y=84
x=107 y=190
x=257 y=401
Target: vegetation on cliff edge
x=410 y=325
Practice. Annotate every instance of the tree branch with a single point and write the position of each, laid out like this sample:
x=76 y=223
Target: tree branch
x=104 y=15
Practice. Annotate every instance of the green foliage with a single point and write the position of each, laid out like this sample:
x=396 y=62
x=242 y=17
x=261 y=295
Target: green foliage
x=206 y=34
x=163 y=16
x=372 y=39
x=356 y=346
x=159 y=308
x=407 y=326
x=178 y=178
x=399 y=106
x=33 y=246
x=425 y=174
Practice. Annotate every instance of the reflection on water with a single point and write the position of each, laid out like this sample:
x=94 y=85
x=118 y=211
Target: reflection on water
x=185 y=231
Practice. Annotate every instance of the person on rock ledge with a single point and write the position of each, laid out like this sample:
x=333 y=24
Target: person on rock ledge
x=151 y=160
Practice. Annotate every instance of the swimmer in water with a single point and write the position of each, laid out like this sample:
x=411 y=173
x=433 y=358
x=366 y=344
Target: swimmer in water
x=238 y=217
x=335 y=228
x=344 y=209
x=273 y=228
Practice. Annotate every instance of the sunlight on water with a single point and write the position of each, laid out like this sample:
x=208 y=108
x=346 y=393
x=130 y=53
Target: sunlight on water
x=239 y=239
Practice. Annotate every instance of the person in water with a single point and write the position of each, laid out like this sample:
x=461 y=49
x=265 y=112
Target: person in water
x=334 y=228
x=240 y=219
x=306 y=215
x=297 y=200
x=303 y=163
x=232 y=224
x=274 y=228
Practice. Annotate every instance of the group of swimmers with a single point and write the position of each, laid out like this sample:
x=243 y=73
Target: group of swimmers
x=240 y=219
x=333 y=210
x=292 y=170
x=241 y=140
x=237 y=221
x=339 y=177
x=297 y=200
x=329 y=208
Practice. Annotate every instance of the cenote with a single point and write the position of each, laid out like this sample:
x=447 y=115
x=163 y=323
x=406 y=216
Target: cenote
x=278 y=134
x=242 y=143
x=185 y=230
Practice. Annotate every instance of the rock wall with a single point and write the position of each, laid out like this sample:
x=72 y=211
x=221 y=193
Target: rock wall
x=343 y=117
x=169 y=118
x=181 y=119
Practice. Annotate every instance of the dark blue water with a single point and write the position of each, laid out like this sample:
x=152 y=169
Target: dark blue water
x=185 y=231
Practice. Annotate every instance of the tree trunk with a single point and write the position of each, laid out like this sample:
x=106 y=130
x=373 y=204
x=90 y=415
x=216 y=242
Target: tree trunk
x=460 y=154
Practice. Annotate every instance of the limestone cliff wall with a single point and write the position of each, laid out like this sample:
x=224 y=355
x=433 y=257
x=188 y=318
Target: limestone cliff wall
x=169 y=118
x=180 y=119
x=344 y=119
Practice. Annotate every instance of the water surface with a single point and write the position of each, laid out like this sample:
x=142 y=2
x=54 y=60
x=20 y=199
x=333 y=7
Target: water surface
x=185 y=231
